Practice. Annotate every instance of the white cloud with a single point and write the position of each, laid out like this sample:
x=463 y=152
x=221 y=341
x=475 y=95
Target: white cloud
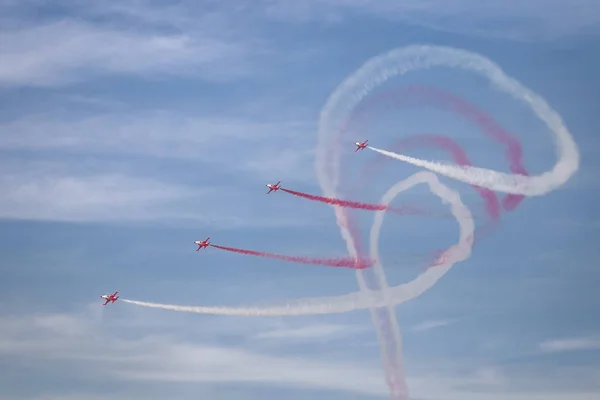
x=570 y=344
x=75 y=192
x=222 y=41
x=515 y=383
x=311 y=332
x=50 y=52
x=509 y=395
x=193 y=363
x=82 y=188
x=140 y=356
x=82 y=342
x=242 y=143
x=428 y=325
x=514 y=19
x=87 y=198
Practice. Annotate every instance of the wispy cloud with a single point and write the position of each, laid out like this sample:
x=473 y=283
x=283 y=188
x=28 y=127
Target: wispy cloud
x=78 y=339
x=159 y=133
x=78 y=343
x=311 y=332
x=73 y=166
x=513 y=19
x=218 y=41
x=81 y=192
x=570 y=344
x=64 y=52
x=90 y=198
x=428 y=325
x=141 y=39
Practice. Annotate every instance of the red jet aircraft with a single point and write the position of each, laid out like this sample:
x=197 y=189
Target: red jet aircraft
x=360 y=146
x=273 y=188
x=202 y=244
x=110 y=297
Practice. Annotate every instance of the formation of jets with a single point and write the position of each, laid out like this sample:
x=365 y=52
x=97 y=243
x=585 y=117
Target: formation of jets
x=205 y=243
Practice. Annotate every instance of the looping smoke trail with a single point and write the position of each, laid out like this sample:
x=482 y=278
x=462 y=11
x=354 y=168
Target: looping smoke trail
x=404 y=210
x=351 y=92
x=330 y=262
x=384 y=319
x=400 y=61
x=363 y=300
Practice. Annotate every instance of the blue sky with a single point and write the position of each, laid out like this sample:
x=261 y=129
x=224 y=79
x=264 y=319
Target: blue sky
x=130 y=129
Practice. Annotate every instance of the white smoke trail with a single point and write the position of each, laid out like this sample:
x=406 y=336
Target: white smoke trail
x=482 y=177
x=361 y=300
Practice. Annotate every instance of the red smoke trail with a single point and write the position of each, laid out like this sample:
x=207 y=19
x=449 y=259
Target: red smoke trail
x=458 y=154
x=356 y=204
x=346 y=262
